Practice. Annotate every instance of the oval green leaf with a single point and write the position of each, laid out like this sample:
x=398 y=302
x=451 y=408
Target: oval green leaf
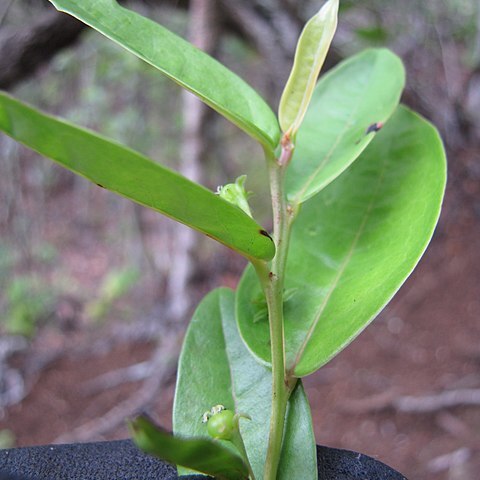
x=183 y=63
x=216 y=368
x=360 y=92
x=354 y=245
x=203 y=455
x=126 y=172
x=312 y=48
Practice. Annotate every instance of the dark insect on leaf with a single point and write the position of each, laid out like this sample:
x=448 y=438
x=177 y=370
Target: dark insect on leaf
x=374 y=127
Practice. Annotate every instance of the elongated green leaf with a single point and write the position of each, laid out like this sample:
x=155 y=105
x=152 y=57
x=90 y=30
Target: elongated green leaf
x=179 y=60
x=203 y=455
x=310 y=54
x=216 y=368
x=360 y=92
x=134 y=176
x=354 y=245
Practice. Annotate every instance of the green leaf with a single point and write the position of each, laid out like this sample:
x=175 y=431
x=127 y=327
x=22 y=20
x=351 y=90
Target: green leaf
x=359 y=92
x=354 y=245
x=126 y=172
x=312 y=48
x=183 y=63
x=203 y=455
x=216 y=368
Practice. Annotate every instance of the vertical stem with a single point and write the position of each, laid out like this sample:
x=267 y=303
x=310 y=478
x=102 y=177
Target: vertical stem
x=273 y=285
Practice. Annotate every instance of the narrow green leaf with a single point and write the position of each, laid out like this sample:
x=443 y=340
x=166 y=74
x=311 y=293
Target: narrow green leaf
x=179 y=60
x=126 y=172
x=203 y=455
x=312 y=48
x=355 y=95
x=354 y=245
x=216 y=368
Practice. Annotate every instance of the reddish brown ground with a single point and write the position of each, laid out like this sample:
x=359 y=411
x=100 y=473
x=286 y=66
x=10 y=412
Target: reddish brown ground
x=426 y=341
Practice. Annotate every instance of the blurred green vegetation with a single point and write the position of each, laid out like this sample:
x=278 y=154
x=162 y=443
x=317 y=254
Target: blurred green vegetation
x=26 y=299
x=28 y=302
x=114 y=285
x=7 y=439
x=420 y=22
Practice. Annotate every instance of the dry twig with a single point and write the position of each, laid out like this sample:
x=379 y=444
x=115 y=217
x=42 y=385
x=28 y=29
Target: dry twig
x=163 y=364
x=446 y=462
x=415 y=404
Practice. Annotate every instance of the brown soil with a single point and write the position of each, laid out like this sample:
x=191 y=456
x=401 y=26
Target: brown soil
x=426 y=341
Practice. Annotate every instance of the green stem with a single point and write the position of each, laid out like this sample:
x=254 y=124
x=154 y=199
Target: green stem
x=272 y=281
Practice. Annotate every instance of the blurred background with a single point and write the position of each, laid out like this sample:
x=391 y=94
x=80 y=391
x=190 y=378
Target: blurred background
x=95 y=292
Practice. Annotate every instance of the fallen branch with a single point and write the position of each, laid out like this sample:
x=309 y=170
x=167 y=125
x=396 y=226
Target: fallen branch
x=12 y=385
x=440 y=401
x=411 y=404
x=132 y=373
x=24 y=50
x=449 y=460
x=163 y=364
x=456 y=427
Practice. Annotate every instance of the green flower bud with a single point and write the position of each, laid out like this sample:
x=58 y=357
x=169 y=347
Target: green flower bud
x=222 y=425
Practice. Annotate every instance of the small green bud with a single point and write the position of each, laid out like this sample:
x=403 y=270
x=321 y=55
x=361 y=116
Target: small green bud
x=235 y=193
x=222 y=425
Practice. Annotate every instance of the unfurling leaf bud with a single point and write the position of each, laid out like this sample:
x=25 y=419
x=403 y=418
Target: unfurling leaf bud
x=235 y=193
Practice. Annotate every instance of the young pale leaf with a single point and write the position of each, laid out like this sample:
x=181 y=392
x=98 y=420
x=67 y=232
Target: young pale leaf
x=312 y=49
x=349 y=101
x=179 y=60
x=134 y=176
x=216 y=367
x=354 y=245
x=202 y=455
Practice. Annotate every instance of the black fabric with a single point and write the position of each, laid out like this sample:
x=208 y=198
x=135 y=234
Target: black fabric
x=335 y=464
x=121 y=460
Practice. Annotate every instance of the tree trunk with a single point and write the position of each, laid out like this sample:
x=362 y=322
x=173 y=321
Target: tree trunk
x=203 y=33
x=25 y=49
